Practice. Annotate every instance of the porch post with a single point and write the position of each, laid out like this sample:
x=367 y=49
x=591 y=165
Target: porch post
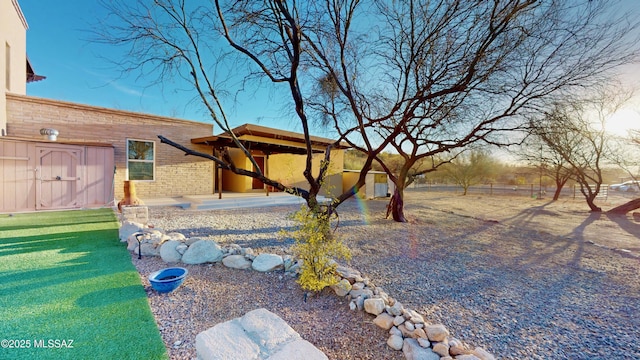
x=219 y=176
x=266 y=171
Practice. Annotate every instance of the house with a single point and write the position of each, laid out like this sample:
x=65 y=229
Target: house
x=281 y=156
x=62 y=155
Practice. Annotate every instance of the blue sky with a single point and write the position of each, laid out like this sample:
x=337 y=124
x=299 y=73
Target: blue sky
x=59 y=47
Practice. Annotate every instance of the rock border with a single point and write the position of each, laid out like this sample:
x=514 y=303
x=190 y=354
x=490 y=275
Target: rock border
x=408 y=330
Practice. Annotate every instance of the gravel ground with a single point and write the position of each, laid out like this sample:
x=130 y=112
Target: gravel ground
x=522 y=278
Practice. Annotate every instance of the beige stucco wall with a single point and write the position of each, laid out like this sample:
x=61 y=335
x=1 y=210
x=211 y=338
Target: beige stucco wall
x=176 y=174
x=13 y=34
x=233 y=182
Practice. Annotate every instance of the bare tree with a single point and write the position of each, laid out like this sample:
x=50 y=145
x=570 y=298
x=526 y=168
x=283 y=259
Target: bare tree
x=432 y=77
x=575 y=131
x=421 y=77
x=176 y=39
x=470 y=168
x=549 y=163
x=628 y=159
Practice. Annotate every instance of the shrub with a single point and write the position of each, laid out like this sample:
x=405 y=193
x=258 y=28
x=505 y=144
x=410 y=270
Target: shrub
x=318 y=247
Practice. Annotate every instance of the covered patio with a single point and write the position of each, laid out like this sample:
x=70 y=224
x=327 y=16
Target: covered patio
x=280 y=155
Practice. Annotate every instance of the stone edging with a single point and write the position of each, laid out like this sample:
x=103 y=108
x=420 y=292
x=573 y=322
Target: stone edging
x=408 y=330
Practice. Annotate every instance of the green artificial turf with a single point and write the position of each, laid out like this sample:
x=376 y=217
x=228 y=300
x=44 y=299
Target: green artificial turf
x=68 y=290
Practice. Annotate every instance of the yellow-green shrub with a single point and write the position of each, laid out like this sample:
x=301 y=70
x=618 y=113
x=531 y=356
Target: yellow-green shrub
x=318 y=247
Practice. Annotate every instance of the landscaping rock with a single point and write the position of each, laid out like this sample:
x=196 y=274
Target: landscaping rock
x=467 y=357
x=482 y=354
x=384 y=321
x=425 y=343
x=396 y=309
x=364 y=293
x=168 y=251
x=395 y=342
x=457 y=347
x=177 y=236
x=436 y=332
x=299 y=349
x=182 y=248
x=147 y=249
x=413 y=351
x=236 y=262
x=374 y=306
x=128 y=228
x=259 y=334
x=441 y=349
x=201 y=252
x=267 y=262
x=342 y=288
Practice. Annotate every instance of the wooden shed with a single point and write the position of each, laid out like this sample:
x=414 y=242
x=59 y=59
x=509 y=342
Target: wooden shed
x=377 y=183
x=49 y=175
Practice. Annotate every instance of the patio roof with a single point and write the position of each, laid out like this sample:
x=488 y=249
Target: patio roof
x=267 y=140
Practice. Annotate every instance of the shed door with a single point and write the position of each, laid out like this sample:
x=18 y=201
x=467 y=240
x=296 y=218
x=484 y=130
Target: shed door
x=58 y=182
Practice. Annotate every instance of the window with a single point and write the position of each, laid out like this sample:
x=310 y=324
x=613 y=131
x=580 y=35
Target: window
x=141 y=160
x=7 y=66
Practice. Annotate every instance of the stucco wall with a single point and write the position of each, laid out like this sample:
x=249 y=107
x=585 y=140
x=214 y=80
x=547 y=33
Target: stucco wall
x=176 y=174
x=13 y=29
x=287 y=169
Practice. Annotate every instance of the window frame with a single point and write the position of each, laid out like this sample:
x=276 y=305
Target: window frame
x=152 y=161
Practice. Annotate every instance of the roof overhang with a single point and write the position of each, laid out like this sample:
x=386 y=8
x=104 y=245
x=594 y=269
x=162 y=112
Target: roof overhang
x=268 y=140
x=31 y=74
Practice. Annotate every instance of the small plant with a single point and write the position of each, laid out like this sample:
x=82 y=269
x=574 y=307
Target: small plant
x=318 y=247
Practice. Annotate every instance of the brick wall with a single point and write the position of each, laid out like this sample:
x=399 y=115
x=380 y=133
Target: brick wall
x=176 y=174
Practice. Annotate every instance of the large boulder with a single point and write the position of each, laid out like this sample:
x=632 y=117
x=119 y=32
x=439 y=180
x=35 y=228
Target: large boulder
x=259 y=334
x=236 y=262
x=202 y=251
x=267 y=262
x=169 y=252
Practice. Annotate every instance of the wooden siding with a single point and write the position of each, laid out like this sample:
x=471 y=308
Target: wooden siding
x=45 y=176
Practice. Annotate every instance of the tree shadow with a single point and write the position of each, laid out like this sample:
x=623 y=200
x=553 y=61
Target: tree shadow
x=625 y=223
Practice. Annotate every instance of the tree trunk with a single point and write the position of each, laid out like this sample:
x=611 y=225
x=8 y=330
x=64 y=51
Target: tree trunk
x=592 y=205
x=559 y=185
x=626 y=207
x=396 y=205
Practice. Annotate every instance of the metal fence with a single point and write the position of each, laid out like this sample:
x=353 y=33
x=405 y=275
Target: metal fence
x=529 y=190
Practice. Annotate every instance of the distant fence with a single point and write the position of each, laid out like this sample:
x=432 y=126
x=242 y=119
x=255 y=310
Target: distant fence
x=530 y=190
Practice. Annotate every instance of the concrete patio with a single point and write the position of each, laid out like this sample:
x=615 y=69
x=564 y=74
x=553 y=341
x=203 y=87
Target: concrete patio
x=229 y=200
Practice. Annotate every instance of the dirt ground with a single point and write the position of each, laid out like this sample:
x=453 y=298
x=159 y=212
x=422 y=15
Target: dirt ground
x=566 y=217
x=524 y=278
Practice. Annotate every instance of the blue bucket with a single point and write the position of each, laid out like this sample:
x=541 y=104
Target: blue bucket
x=167 y=280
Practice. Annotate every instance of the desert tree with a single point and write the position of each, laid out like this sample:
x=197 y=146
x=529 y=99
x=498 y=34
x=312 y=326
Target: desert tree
x=422 y=78
x=535 y=152
x=168 y=41
x=576 y=131
x=429 y=78
x=628 y=159
x=470 y=168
